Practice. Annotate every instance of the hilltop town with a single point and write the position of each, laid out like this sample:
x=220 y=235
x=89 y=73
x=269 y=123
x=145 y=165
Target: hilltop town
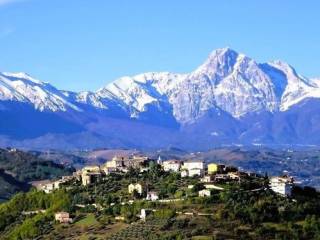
x=136 y=197
x=207 y=174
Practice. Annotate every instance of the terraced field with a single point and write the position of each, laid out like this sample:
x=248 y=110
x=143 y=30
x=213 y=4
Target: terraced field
x=139 y=230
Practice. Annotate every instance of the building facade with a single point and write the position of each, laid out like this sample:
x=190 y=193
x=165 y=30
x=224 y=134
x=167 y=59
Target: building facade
x=152 y=196
x=214 y=168
x=63 y=217
x=282 y=185
x=193 y=164
x=171 y=165
x=138 y=187
x=204 y=193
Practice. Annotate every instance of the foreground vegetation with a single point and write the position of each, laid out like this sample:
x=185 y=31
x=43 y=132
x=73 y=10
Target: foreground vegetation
x=237 y=212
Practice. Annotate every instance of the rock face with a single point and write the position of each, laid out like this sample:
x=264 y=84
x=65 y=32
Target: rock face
x=229 y=99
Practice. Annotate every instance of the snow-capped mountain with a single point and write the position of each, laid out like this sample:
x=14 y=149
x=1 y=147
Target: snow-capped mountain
x=230 y=98
x=23 y=88
x=227 y=80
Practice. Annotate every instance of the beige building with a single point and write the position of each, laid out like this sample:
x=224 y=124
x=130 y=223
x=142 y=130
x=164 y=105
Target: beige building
x=91 y=169
x=63 y=217
x=207 y=179
x=116 y=162
x=91 y=174
x=48 y=185
x=171 y=165
x=123 y=163
x=234 y=176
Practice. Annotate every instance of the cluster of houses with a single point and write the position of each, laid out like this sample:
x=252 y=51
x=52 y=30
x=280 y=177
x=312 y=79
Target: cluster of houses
x=221 y=173
x=208 y=174
x=93 y=174
x=188 y=168
x=49 y=185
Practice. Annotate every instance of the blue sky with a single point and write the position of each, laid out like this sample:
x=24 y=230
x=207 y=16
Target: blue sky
x=84 y=44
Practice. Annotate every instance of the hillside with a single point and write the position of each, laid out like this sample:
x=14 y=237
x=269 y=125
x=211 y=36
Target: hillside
x=18 y=168
x=10 y=186
x=105 y=210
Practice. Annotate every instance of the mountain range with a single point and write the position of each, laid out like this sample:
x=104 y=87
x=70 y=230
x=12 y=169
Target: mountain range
x=229 y=99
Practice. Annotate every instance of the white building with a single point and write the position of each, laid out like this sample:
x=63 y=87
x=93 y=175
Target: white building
x=193 y=168
x=144 y=213
x=193 y=164
x=171 y=165
x=195 y=172
x=282 y=185
x=138 y=187
x=184 y=173
x=159 y=161
x=49 y=186
x=192 y=172
x=204 y=193
x=152 y=196
x=213 y=187
x=222 y=176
